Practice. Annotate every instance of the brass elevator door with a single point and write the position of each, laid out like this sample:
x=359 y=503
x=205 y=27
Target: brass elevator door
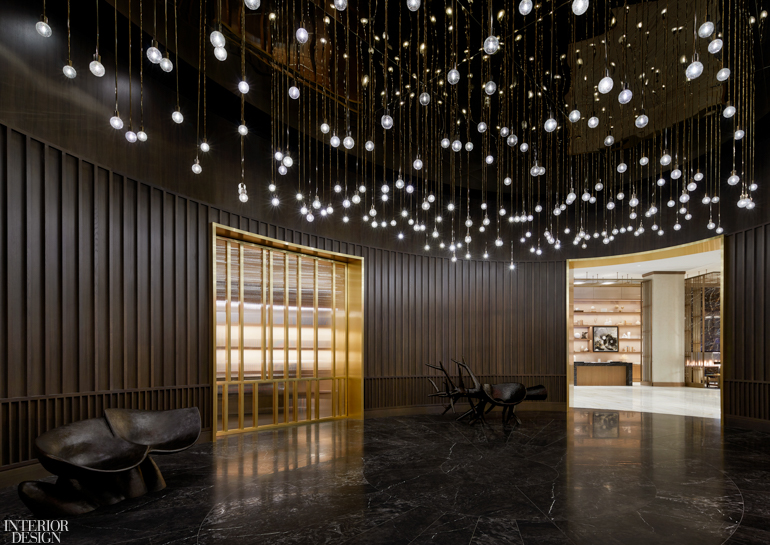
x=281 y=329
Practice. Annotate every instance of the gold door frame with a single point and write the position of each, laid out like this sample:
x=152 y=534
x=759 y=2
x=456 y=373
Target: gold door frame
x=346 y=382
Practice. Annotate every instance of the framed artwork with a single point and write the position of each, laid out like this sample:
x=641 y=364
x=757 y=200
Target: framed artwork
x=606 y=339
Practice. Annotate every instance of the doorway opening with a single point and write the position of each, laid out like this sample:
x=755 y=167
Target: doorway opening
x=645 y=331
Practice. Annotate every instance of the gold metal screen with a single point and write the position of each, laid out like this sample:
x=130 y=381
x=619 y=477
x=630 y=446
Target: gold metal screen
x=282 y=337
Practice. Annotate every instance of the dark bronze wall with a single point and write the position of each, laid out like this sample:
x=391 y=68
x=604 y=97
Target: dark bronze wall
x=746 y=319
x=105 y=301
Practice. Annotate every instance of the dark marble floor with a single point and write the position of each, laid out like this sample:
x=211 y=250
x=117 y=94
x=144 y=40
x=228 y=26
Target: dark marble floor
x=587 y=477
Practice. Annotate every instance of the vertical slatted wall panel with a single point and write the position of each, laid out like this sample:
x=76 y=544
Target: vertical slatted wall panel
x=104 y=302
x=746 y=319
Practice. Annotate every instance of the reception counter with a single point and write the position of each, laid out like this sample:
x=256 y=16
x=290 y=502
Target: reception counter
x=603 y=373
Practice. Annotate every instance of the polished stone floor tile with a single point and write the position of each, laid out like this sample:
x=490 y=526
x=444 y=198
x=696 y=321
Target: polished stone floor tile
x=684 y=401
x=582 y=478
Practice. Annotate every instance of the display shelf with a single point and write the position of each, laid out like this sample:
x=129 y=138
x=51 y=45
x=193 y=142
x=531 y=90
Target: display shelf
x=632 y=312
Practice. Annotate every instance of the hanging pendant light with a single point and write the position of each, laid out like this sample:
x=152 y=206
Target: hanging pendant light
x=42 y=26
x=301 y=34
x=625 y=95
x=413 y=5
x=386 y=121
x=593 y=122
x=641 y=120
x=579 y=7
x=715 y=46
x=340 y=5
x=525 y=7
x=695 y=68
x=491 y=45
x=96 y=67
x=606 y=84
x=453 y=76
x=723 y=74
x=252 y=4
x=574 y=116
x=706 y=29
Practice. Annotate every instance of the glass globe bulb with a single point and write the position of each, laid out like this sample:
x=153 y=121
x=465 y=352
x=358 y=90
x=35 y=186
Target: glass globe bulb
x=425 y=205
x=525 y=7
x=166 y=65
x=625 y=96
x=243 y=130
x=661 y=182
x=715 y=46
x=302 y=35
x=417 y=164
x=586 y=196
x=96 y=67
x=665 y=160
x=550 y=125
x=217 y=39
x=505 y=131
x=481 y=127
x=739 y=134
x=141 y=136
x=490 y=87
x=729 y=111
x=671 y=203
x=334 y=141
x=252 y=4
x=593 y=122
x=288 y=161
x=196 y=167
x=204 y=147
x=676 y=173
x=644 y=161
x=692 y=186
x=507 y=180
x=706 y=199
x=369 y=145
x=43 y=28
x=325 y=128
x=362 y=188
x=733 y=179
x=220 y=53
x=445 y=143
x=538 y=208
x=609 y=140
x=684 y=197
x=410 y=189
x=282 y=170
x=579 y=7
x=457 y=145
x=706 y=29
x=753 y=186
x=605 y=85
x=177 y=117
x=621 y=196
x=278 y=155
x=340 y=5
x=524 y=147
x=469 y=146
x=490 y=159
x=243 y=197
x=641 y=121
x=633 y=201
x=386 y=121
x=400 y=183
x=622 y=167
x=574 y=116
x=294 y=92
x=413 y=5
x=153 y=54
x=348 y=142
x=599 y=186
x=453 y=76
x=512 y=140
x=723 y=74
x=131 y=136
x=694 y=70
x=491 y=45
x=610 y=205
x=424 y=99
x=69 y=71
x=116 y=122
x=698 y=176
x=243 y=87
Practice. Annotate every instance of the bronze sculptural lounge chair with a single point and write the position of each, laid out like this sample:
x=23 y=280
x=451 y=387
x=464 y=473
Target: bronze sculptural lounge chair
x=102 y=461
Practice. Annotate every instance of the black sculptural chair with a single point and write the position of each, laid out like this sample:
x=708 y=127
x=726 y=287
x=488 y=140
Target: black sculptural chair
x=102 y=461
